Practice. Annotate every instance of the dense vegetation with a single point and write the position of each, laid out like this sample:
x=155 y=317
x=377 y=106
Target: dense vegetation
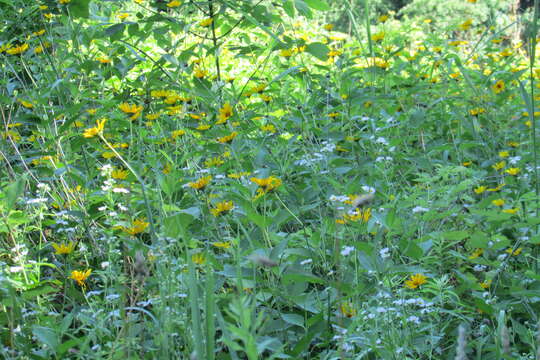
x=228 y=179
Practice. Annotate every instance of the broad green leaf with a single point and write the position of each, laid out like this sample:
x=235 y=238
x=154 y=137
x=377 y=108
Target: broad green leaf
x=46 y=336
x=319 y=50
x=288 y=6
x=79 y=8
x=14 y=191
x=318 y=5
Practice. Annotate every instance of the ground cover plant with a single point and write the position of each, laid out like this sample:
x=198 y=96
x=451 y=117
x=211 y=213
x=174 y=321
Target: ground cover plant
x=268 y=180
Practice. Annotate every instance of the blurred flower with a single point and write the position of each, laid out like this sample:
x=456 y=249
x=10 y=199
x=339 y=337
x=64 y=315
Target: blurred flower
x=222 y=208
x=80 y=276
x=63 y=249
x=415 y=281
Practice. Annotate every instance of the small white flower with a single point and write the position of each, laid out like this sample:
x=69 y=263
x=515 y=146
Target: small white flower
x=305 y=262
x=384 y=253
x=414 y=319
x=347 y=250
x=120 y=190
x=419 y=209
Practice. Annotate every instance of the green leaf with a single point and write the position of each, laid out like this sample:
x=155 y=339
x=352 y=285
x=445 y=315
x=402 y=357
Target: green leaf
x=177 y=224
x=115 y=31
x=7 y=2
x=46 y=336
x=293 y=319
x=318 y=5
x=319 y=50
x=14 y=191
x=79 y=8
x=288 y=7
x=296 y=277
x=303 y=8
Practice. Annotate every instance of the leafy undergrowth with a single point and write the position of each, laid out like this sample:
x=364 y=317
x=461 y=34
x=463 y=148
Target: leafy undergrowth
x=239 y=180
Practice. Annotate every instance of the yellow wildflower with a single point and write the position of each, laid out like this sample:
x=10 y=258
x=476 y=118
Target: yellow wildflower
x=347 y=310
x=17 y=50
x=498 y=202
x=173 y=4
x=201 y=183
x=266 y=184
x=476 y=253
x=512 y=171
x=222 y=244
x=198 y=258
x=222 y=208
x=63 y=249
x=225 y=113
x=80 y=276
x=138 y=226
x=415 y=281
x=498 y=87
x=119 y=174
x=98 y=129
x=228 y=138
x=206 y=22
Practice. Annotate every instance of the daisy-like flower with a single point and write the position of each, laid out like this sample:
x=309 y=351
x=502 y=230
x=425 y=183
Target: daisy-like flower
x=206 y=22
x=266 y=184
x=63 y=248
x=498 y=87
x=201 y=183
x=498 y=202
x=98 y=129
x=347 y=310
x=228 y=138
x=222 y=208
x=80 y=276
x=17 y=50
x=173 y=4
x=198 y=258
x=225 y=113
x=513 y=171
x=138 y=226
x=415 y=281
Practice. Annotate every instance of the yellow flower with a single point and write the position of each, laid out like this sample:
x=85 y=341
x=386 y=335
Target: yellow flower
x=480 y=189
x=499 y=187
x=266 y=184
x=26 y=104
x=202 y=127
x=222 y=244
x=228 y=138
x=504 y=154
x=17 y=50
x=173 y=4
x=513 y=144
x=119 y=174
x=215 y=161
x=498 y=87
x=269 y=128
x=467 y=163
x=103 y=60
x=415 y=281
x=130 y=109
x=201 y=183
x=80 y=276
x=499 y=165
x=465 y=25
x=383 y=18
x=177 y=133
x=510 y=211
x=199 y=73
x=206 y=22
x=222 y=208
x=485 y=284
x=64 y=1
x=513 y=171
x=347 y=310
x=498 y=202
x=328 y=27
x=477 y=111
x=198 y=258
x=138 y=226
x=476 y=253
x=91 y=132
x=514 y=252
x=333 y=114
x=286 y=53
x=63 y=249
x=225 y=113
